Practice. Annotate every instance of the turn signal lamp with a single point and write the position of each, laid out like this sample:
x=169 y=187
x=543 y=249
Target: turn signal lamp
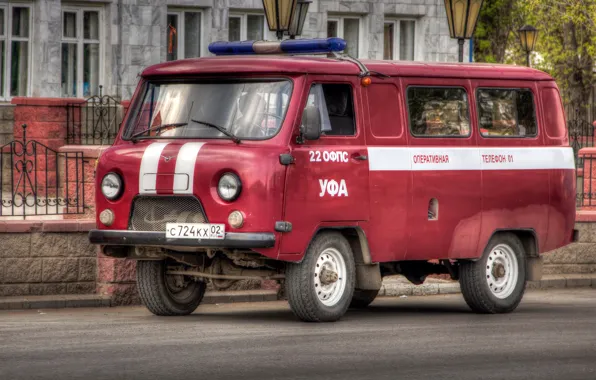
x=366 y=81
x=236 y=219
x=301 y=46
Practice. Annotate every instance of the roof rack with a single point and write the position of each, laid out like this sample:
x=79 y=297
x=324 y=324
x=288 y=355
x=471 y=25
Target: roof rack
x=327 y=46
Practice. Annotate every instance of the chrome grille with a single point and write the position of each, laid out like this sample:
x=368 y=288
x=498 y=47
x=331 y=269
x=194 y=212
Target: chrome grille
x=152 y=213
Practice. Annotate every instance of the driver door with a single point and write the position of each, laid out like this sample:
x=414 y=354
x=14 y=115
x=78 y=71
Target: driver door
x=328 y=182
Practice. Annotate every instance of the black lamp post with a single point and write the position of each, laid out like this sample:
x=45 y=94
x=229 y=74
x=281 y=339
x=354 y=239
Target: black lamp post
x=279 y=14
x=297 y=23
x=528 y=35
x=462 y=16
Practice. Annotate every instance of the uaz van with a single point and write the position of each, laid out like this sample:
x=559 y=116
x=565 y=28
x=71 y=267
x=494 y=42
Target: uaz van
x=328 y=174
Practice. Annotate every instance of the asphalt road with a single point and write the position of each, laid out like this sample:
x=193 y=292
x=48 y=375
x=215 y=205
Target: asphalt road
x=551 y=336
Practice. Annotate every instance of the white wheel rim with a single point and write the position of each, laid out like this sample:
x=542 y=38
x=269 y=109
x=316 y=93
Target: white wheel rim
x=330 y=260
x=502 y=271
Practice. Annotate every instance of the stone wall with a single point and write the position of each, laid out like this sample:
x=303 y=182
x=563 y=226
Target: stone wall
x=576 y=258
x=6 y=123
x=52 y=257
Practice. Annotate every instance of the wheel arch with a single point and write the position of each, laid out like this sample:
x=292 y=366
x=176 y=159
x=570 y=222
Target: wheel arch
x=527 y=236
x=357 y=239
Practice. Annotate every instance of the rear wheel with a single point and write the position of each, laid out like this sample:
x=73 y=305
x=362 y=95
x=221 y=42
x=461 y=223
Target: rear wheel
x=496 y=283
x=164 y=294
x=362 y=298
x=320 y=288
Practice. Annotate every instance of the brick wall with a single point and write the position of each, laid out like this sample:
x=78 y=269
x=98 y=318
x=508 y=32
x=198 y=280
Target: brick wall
x=41 y=258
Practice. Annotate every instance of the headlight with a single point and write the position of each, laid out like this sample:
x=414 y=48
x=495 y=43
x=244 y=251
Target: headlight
x=111 y=186
x=229 y=187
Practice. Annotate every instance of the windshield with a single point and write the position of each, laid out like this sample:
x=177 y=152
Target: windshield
x=252 y=110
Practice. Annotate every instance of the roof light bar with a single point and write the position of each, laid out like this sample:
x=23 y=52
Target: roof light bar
x=301 y=46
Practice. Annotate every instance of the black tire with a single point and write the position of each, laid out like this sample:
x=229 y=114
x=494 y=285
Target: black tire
x=475 y=282
x=159 y=297
x=362 y=298
x=301 y=287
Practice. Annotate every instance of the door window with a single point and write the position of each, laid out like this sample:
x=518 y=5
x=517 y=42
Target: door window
x=336 y=106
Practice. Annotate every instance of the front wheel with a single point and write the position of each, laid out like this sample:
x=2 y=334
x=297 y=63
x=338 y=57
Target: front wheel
x=164 y=294
x=320 y=288
x=495 y=283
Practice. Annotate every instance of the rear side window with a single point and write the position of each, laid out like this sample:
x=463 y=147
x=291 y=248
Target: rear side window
x=506 y=113
x=438 y=111
x=385 y=119
x=554 y=118
x=336 y=106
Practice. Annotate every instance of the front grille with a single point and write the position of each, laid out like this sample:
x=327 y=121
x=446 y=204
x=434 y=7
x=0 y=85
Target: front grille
x=152 y=213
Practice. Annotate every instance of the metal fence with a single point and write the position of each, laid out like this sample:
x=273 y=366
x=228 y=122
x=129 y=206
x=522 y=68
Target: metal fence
x=36 y=180
x=93 y=122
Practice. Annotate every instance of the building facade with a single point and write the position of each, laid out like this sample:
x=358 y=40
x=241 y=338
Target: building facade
x=59 y=48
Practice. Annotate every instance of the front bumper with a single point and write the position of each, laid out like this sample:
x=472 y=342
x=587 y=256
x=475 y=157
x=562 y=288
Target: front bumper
x=158 y=239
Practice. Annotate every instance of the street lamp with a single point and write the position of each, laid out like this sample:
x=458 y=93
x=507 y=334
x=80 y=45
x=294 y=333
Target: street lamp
x=279 y=14
x=528 y=35
x=299 y=18
x=462 y=16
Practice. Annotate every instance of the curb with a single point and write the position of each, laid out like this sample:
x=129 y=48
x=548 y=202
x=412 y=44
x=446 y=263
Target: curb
x=95 y=300
x=401 y=288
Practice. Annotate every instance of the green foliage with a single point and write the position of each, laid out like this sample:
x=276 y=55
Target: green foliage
x=493 y=31
x=566 y=41
x=567 y=44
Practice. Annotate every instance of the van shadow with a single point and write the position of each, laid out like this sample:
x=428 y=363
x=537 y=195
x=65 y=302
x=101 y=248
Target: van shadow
x=418 y=311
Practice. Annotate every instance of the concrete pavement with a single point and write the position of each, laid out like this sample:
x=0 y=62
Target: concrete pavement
x=551 y=336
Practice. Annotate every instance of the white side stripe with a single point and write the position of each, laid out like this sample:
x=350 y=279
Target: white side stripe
x=443 y=158
x=185 y=164
x=148 y=170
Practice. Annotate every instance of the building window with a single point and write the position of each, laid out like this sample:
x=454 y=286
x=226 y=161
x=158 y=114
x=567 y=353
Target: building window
x=15 y=32
x=347 y=28
x=184 y=34
x=81 y=54
x=399 y=40
x=246 y=27
x=438 y=111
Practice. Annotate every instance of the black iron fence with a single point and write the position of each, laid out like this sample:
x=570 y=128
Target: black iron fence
x=38 y=180
x=93 y=122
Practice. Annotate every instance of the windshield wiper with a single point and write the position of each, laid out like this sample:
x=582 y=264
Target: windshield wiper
x=157 y=128
x=222 y=130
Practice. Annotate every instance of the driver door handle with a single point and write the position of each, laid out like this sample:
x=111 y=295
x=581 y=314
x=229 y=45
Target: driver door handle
x=360 y=157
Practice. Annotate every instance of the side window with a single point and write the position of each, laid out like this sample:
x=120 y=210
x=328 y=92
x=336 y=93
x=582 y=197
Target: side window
x=385 y=119
x=336 y=105
x=438 y=111
x=506 y=112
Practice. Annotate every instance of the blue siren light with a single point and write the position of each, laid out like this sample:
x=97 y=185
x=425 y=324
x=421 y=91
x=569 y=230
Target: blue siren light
x=306 y=46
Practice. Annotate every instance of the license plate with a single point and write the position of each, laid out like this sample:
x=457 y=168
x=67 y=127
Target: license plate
x=195 y=231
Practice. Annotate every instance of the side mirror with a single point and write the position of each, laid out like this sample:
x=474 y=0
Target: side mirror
x=311 y=123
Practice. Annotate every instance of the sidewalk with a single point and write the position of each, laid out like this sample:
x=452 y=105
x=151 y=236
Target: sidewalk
x=394 y=286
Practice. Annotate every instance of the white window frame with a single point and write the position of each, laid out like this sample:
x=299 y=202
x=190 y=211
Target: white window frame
x=8 y=38
x=244 y=24
x=340 y=29
x=397 y=36
x=179 y=12
x=81 y=41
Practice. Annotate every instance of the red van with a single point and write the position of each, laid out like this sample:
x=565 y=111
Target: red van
x=329 y=173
